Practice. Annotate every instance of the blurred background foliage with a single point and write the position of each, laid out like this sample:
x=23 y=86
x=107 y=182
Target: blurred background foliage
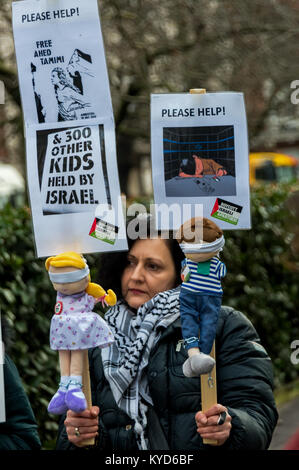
x=172 y=46
x=164 y=47
x=262 y=282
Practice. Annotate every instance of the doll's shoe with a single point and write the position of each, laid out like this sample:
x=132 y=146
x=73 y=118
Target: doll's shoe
x=57 y=405
x=198 y=364
x=187 y=371
x=75 y=400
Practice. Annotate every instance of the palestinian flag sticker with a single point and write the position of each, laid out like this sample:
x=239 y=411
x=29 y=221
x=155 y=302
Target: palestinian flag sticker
x=227 y=211
x=103 y=231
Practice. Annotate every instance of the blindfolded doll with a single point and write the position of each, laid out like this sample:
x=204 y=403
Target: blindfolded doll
x=201 y=240
x=74 y=326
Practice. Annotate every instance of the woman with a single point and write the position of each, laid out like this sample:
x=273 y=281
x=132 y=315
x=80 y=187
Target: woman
x=69 y=98
x=139 y=390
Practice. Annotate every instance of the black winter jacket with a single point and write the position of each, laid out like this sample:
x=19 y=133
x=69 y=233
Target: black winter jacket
x=19 y=431
x=244 y=386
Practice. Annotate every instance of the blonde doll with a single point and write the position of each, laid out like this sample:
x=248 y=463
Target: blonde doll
x=74 y=326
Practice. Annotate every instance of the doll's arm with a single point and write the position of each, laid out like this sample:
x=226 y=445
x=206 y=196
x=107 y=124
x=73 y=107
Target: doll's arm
x=221 y=270
x=185 y=271
x=110 y=298
x=95 y=290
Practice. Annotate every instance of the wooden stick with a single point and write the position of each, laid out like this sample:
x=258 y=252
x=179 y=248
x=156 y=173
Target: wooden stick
x=208 y=381
x=197 y=90
x=87 y=391
x=209 y=392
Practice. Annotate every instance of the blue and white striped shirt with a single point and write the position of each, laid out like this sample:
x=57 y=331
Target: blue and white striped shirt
x=207 y=283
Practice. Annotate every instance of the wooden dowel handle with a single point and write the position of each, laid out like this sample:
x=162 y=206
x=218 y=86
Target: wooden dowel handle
x=209 y=392
x=87 y=391
x=198 y=90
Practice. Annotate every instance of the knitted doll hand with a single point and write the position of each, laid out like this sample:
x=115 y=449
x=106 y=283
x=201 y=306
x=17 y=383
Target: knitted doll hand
x=110 y=298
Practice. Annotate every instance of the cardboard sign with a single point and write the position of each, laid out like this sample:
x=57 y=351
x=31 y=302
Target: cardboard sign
x=69 y=125
x=200 y=156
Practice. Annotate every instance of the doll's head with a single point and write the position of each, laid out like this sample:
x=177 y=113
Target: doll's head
x=68 y=272
x=200 y=239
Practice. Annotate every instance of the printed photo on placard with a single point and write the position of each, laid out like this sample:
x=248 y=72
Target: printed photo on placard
x=69 y=85
x=199 y=161
x=72 y=169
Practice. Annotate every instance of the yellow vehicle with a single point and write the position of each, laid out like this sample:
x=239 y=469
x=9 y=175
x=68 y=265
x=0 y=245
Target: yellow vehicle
x=272 y=167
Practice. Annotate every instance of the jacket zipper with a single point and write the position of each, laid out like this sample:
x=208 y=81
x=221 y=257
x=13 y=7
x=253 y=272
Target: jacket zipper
x=179 y=345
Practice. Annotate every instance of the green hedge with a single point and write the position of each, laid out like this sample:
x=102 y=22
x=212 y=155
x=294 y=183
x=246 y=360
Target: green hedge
x=262 y=279
x=260 y=282
x=27 y=300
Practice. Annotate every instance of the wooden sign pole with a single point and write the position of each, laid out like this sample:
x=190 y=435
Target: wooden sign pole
x=208 y=381
x=87 y=391
x=209 y=392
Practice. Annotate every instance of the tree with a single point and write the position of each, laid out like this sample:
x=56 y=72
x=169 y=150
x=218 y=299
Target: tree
x=175 y=45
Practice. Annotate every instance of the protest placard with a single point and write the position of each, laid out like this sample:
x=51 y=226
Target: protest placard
x=73 y=180
x=69 y=126
x=200 y=157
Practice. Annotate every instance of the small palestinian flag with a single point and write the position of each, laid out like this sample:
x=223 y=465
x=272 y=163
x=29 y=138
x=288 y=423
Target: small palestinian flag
x=103 y=231
x=227 y=211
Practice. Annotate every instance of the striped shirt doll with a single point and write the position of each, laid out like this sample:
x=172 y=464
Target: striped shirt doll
x=204 y=277
x=201 y=292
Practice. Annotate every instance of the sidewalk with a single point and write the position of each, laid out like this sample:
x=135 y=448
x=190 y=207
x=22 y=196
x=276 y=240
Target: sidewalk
x=287 y=425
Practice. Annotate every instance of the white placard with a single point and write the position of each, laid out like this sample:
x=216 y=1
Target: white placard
x=2 y=392
x=69 y=190
x=200 y=158
x=69 y=127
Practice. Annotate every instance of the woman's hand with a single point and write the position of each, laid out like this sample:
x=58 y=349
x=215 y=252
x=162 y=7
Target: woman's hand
x=207 y=425
x=86 y=423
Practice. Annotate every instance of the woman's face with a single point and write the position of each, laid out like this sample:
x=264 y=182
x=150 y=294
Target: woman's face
x=150 y=270
x=54 y=78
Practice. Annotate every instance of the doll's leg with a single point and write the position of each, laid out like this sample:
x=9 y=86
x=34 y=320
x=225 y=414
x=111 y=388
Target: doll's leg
x=75 y=398
x=76 y=366
x=209 y=308
x=189 y=320
x=65 y=362
x=57 y=405
x=198 y=363
x=208 y=322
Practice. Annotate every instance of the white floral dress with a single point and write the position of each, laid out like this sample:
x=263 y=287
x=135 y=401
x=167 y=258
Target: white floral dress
x=76 y=326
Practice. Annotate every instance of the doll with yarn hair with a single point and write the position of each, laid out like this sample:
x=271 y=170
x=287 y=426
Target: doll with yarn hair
x=74 y=326
x=201 y=240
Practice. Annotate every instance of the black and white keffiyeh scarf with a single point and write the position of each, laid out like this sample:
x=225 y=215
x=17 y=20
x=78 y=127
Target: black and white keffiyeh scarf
x=125 y=360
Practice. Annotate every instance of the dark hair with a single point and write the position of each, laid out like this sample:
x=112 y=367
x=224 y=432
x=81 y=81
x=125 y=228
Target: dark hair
x=112 y=265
